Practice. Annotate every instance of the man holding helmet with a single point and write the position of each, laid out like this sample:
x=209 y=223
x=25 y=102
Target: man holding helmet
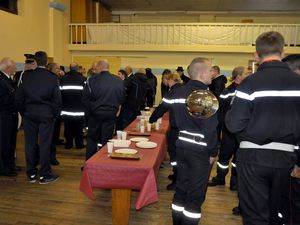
x=196 y=146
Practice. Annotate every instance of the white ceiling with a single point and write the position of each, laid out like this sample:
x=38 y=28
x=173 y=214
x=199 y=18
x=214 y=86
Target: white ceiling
x=203 y=5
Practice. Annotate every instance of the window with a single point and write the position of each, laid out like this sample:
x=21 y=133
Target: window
x=9 y=6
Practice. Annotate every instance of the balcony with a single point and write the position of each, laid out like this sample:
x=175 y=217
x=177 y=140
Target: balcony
x=177 y=37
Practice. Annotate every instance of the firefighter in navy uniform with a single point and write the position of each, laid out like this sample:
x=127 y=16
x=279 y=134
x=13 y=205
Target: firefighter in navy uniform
x=265 y=118
x=102 y=97
x=71 y=86
x=229 y=144
x=136 y=91
x=196 y=148
x=39 y=101
x=173 y=81
x=8 y=118
x=290 y=210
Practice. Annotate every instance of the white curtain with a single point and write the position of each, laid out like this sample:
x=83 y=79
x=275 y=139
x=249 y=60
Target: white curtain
x=181 y=34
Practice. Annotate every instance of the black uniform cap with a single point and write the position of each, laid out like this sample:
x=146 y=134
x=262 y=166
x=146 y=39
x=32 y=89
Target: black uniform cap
x=179 y=68
x=29 y=58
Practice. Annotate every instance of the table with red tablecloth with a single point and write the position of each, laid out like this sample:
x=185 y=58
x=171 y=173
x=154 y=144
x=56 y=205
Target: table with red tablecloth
x=101 y=171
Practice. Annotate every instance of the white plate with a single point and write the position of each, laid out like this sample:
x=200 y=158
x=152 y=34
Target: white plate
x=146 y=144
x=126 y=151
x=138 y=139
x=121 y=143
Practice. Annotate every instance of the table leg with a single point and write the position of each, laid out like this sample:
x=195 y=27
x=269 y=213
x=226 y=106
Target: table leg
x=121 y=206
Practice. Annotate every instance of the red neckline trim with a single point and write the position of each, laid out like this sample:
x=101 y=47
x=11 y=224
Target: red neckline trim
x=271 y=60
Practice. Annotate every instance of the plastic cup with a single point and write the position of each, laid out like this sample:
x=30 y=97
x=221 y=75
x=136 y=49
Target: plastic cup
x=119 y=134
x=142 y=128
x=124 y=135
x=110 y=146
x=149 y=127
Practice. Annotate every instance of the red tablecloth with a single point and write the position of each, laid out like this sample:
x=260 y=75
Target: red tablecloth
x=100 y=171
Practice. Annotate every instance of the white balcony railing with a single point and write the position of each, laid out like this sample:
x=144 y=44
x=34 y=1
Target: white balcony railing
x=226 y=34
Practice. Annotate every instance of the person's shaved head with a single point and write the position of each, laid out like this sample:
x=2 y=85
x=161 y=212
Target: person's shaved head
x=74 y=66
x=199 y=69
x=102 y=65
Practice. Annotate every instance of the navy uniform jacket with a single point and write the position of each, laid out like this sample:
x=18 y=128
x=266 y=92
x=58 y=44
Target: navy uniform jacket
x=39 y=94
x=136 y=90
x=225 y=100
x=218 y=85
x=71 y=86
x=7 y=95
x=103 y=93
x=164 y=106
x=185 y=122
x=266 y=108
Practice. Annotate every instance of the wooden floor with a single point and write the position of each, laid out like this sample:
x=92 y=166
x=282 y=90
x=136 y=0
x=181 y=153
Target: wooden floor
x=23 y=203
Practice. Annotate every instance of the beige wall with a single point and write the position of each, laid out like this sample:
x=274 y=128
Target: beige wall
x=37 y=27
x=161 y=60
x=208 y=18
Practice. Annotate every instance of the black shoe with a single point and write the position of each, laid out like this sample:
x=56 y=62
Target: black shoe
x=215 y=181
x=48 y=179
x=236 y=211
x=68 y=147
x=171 y=177
x=80 y=147
x=233 y=187
x=171 y=186
x=16 y=168
x=32 y=178
x=60 y=142
x=54 y=162
x=233 y=183
x=9 y=174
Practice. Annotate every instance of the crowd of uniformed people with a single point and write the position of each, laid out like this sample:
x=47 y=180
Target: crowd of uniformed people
x=255 y=131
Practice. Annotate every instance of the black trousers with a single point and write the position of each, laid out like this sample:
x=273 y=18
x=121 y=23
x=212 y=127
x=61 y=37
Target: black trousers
x=126 y=117
x=8 y=138
x=172 y=137
x=38 y=130
x=260 y=190
x=101 y=129
x=55 y=138
x=73 y=130
x=193 y=170
x=228 y=149
x=290 y=209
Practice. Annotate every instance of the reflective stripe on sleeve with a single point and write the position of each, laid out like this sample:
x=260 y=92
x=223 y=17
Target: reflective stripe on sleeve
x=177 y=208
x=227 y=95
x=71 y=87
x=66 y=113
x=173 y=101
x=233 y=164
x=260 y=94
x=222 y=166
x=192 y=141
x=195 y=134
x=192 y=215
